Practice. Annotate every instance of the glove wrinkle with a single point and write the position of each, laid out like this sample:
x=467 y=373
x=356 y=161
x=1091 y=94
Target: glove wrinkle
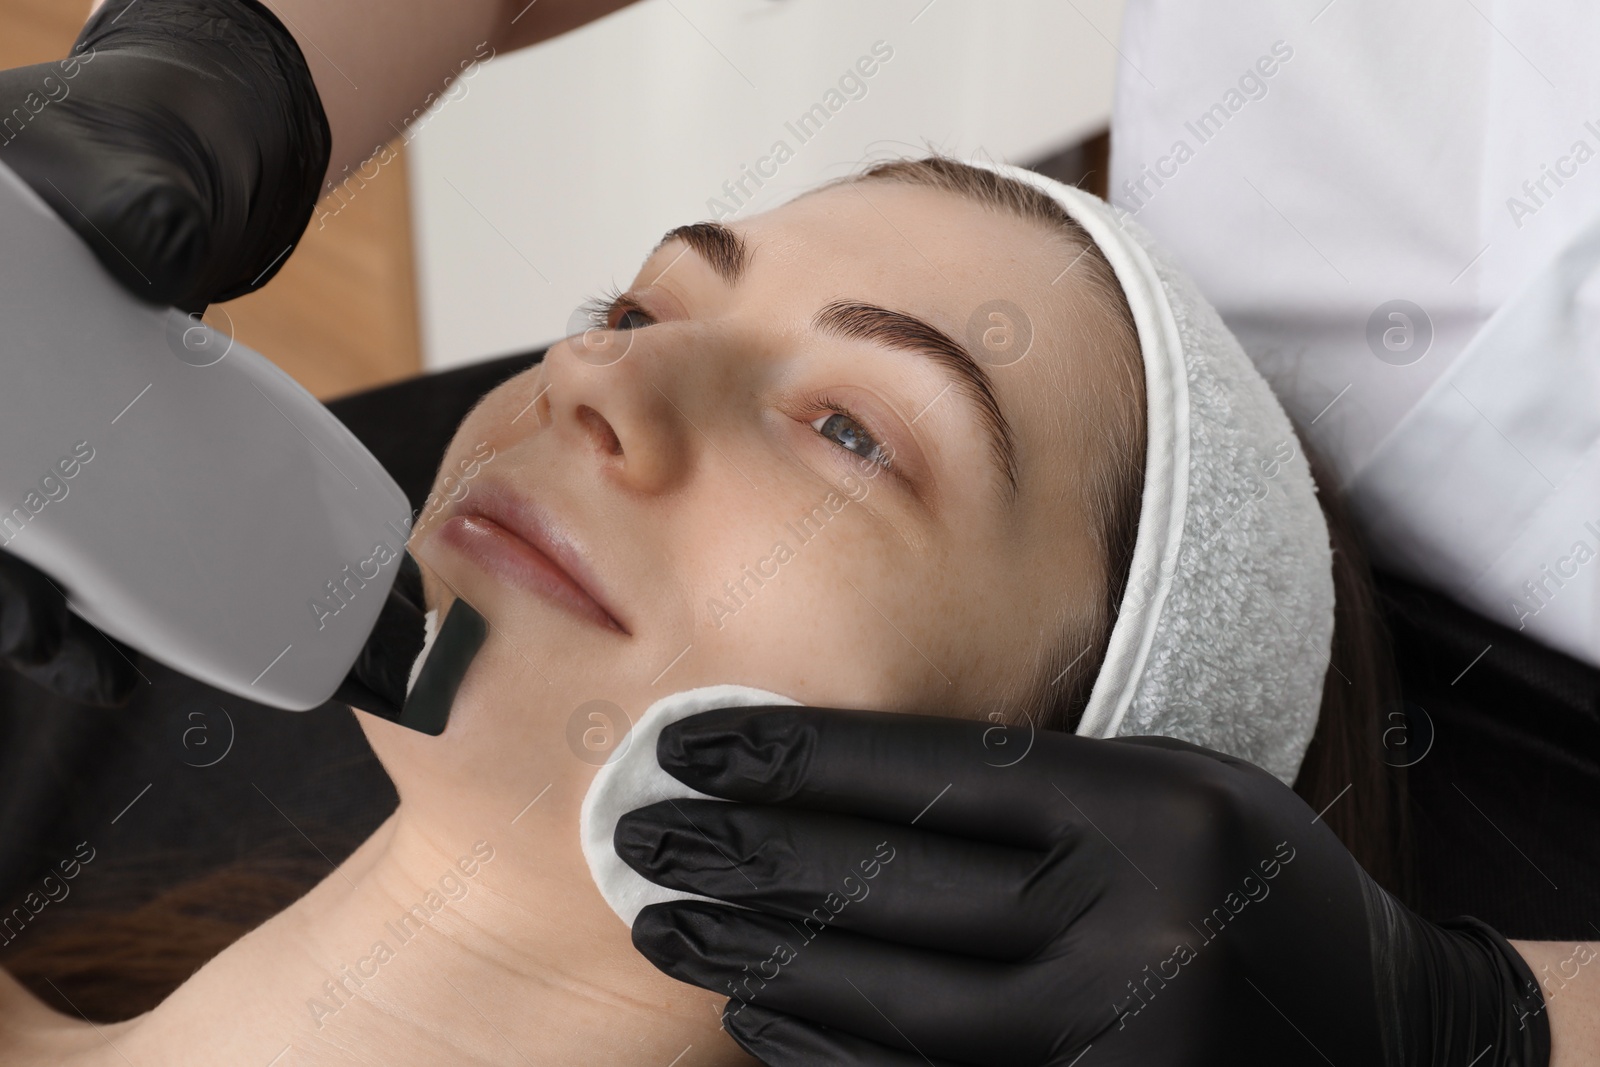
x=33 y=616
x=89 y=667
x=1464 y=977
x=1392 y=956
x=187 y=147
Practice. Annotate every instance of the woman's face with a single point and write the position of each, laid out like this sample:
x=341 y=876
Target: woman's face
x=737 y=524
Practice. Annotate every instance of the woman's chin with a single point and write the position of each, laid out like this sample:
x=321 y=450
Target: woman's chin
x=517 y=724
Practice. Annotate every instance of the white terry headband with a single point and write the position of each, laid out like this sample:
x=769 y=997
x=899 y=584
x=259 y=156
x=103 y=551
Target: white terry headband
x=1224 y=631
x=1223 y=634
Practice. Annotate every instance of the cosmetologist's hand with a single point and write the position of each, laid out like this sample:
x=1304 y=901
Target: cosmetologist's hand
x=183 y=140
x=44 y=641
x=938 y=891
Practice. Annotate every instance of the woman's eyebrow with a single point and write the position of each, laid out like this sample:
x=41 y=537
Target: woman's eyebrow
x=727 y=254
x=906 y=332
x=717 y=244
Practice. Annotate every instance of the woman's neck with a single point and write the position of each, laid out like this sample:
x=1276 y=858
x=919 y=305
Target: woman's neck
x=422 y=948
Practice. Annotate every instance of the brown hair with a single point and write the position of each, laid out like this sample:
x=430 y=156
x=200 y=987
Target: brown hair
x=119 y=965
x=113 y=964
x=1360 y=696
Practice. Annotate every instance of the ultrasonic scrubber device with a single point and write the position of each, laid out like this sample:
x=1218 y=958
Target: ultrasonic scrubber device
x=195 y=502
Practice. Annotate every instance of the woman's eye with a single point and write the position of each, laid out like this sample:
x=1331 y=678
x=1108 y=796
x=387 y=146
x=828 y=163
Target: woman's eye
x=600 y=310
x=847 y=431
x=633 y=318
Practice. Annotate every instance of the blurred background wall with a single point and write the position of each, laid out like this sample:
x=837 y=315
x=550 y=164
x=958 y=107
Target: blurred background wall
x=537 y=179
x=552 y=172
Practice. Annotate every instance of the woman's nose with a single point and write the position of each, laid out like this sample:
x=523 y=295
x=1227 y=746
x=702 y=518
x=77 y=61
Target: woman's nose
x=615 y=415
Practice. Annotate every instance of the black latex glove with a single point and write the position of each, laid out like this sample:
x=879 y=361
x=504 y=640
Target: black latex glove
x=377 y=681
x=923 y=893
x=183 y=140
x=44 y=641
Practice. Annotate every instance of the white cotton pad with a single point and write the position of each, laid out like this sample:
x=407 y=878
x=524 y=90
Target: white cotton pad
x=633 y=779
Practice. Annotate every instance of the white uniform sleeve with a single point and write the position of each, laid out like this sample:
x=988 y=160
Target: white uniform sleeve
x=1358 y=186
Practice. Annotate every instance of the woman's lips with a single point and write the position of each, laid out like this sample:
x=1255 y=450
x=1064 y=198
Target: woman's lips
x=517 y=561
